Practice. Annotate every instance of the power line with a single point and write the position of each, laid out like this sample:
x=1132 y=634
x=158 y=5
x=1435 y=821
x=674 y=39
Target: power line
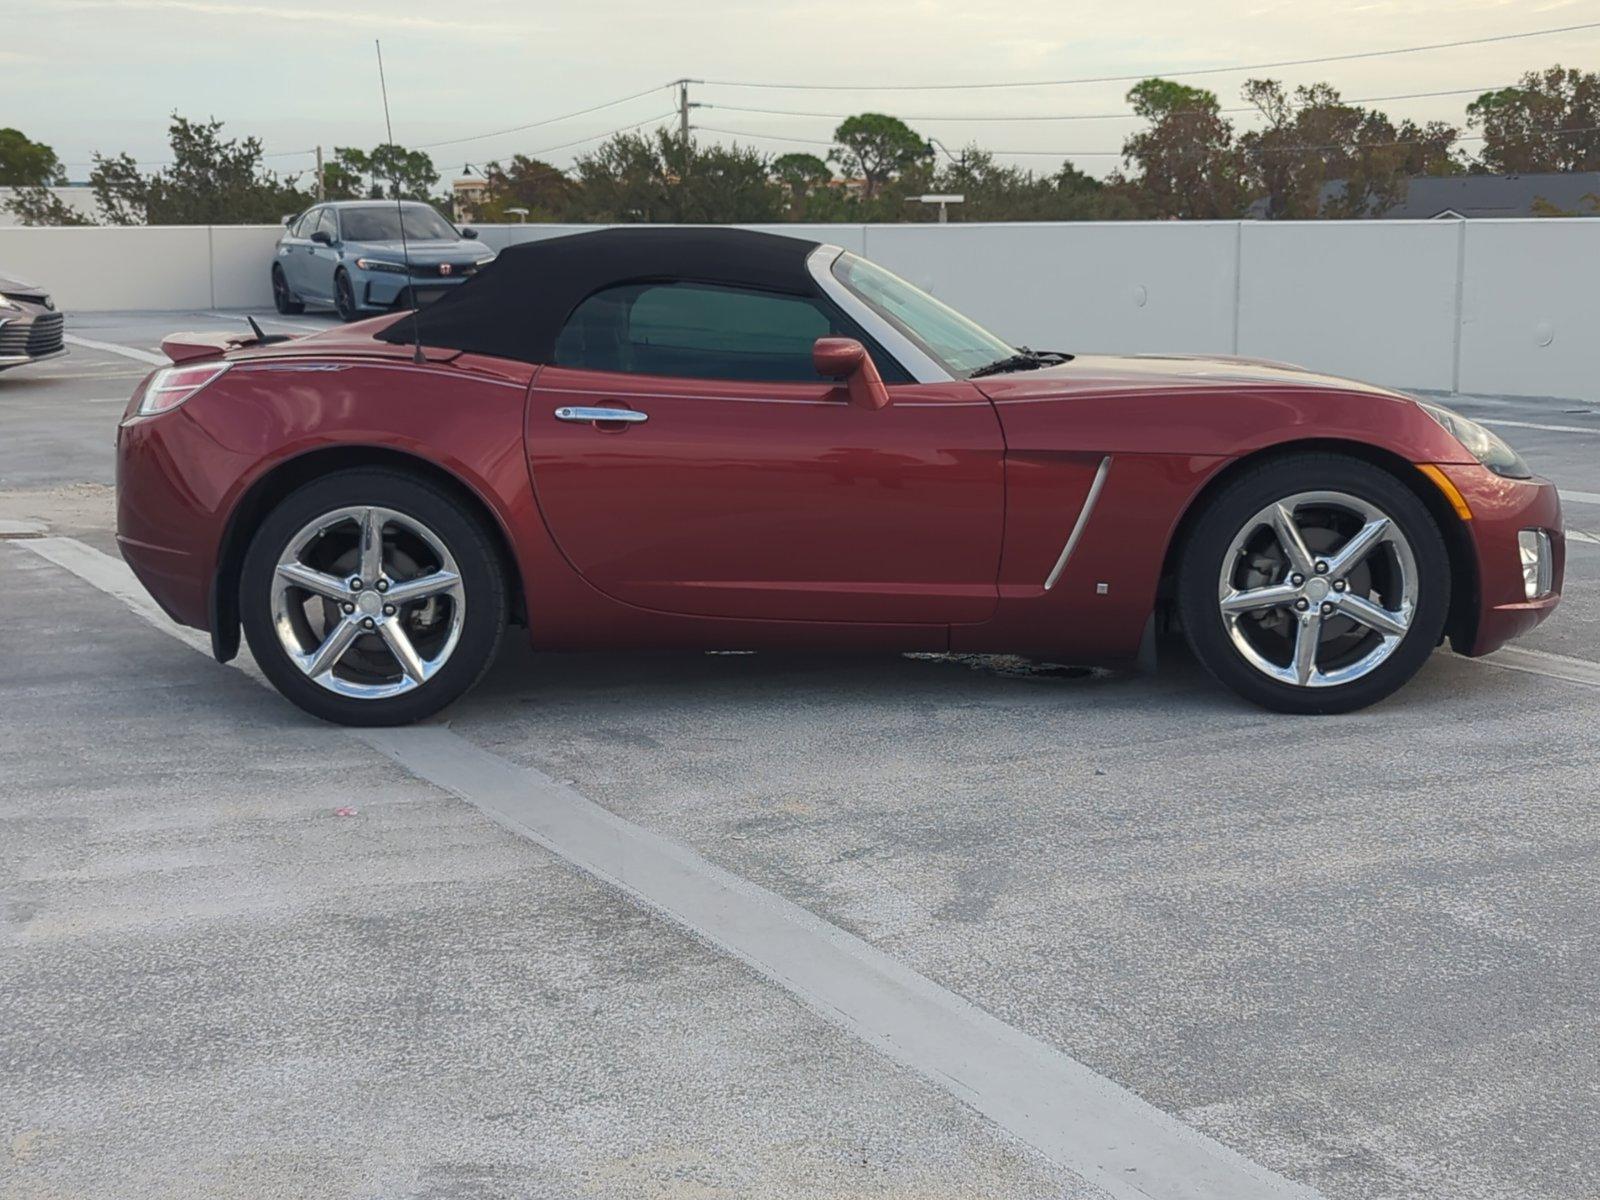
x=1118 y=153
x=475 y=137
x=1116 y=116
x=609 y=133
x=1165 y=74
x=582 y=112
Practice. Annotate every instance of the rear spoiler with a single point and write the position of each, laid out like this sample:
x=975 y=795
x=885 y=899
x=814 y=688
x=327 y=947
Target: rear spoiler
x=194 y=347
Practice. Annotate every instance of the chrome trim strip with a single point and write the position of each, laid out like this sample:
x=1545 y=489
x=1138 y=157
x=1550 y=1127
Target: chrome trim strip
x=916 y=362
x=1081 y=523
x=838 y=404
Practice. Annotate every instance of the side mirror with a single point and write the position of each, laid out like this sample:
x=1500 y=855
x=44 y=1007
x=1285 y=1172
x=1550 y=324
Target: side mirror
x=470 y=233
x=288 y=218
x=322 y=237
x=847 y=360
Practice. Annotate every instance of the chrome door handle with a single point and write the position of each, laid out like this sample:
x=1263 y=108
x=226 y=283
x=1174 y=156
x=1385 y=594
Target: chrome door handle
x=626 y=416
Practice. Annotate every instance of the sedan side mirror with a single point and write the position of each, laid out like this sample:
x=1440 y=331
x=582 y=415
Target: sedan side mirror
x=847 y=360
x=322 y=237
x=469 y=233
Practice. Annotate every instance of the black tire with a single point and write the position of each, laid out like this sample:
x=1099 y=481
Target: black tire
x=461 y=532
x=344 y=297
x=282 y=298
x=1211 y=538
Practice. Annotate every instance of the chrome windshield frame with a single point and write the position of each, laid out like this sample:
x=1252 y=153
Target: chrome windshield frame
x=917 y=362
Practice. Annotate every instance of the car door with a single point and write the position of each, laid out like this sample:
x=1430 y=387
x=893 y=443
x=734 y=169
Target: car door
x=321 y=259
x=294 y=250
x=740 y=484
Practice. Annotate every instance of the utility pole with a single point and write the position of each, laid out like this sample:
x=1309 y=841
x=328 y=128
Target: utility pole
x=320 y=195
x=683 y=112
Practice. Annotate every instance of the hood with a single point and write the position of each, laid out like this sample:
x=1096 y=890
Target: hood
x=21 y=288
x=430 y=251
x=1103 y=374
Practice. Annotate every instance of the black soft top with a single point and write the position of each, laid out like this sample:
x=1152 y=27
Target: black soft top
x=516 y=307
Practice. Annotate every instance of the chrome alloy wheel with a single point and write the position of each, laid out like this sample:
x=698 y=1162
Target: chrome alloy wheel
x=368 y=602
x=1318 y=589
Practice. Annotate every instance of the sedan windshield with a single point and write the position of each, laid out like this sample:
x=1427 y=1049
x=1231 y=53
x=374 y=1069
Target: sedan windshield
x=959 y=345
x=377 y=224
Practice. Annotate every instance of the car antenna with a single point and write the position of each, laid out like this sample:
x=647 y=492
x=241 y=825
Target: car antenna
x=262 y=337
x=400 y=216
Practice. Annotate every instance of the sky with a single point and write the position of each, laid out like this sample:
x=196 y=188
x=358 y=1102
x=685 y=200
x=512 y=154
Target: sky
x=104 y=75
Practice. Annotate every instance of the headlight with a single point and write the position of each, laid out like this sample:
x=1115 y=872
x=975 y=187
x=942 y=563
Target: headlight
x=1488 y=448
x=5 y=301
x=381 y=264
x=171 y=386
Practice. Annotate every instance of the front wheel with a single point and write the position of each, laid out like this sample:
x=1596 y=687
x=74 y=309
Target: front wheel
x=1314 y=584
x=370 y=597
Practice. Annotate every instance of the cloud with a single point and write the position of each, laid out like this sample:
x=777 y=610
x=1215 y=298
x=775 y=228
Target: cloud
x=374 y=22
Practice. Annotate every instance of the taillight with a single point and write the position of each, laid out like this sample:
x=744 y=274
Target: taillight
x=171 y=386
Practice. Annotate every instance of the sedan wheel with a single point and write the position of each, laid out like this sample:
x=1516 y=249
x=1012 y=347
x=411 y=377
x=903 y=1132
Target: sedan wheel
x=370 y=598
x=344 y=297
x=1315 y=599
x=282 y=298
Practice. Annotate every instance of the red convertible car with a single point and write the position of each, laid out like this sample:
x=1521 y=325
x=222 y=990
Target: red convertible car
x=712 y=438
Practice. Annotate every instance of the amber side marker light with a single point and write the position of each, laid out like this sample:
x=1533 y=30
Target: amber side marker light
x=1451 y=493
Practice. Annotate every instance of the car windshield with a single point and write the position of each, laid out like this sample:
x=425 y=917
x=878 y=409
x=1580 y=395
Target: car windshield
x=955 y=342
x=377 y=224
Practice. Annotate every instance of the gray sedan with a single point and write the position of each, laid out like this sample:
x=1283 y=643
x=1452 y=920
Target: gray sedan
x=351 y=255
x=30 y=326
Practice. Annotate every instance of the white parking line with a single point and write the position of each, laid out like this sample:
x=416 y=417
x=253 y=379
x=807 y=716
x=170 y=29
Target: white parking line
x=1535 y=425
x=1579 y=497
x=284 y=322
x=144 y=356
x=1582 y=537
x=1078 y=1119
x=1535 y=662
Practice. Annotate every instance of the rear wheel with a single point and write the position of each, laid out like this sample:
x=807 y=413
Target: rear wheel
x=369 y=597
x=1314 y=584
x=344 y=297
x=282 y=298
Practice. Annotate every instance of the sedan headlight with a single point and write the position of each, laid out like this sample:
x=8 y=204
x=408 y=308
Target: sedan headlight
x=381 y=264
x=5 y=301
x=1487 y=447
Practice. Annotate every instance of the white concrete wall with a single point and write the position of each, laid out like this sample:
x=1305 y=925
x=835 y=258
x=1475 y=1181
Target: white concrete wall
x=1492 y=307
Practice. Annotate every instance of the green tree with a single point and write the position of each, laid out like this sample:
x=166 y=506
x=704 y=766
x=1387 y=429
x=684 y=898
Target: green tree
x=877 y=148
x=1314 y=138
x=529 y=183
x=340 y=180
x=211 y=181
x=994 y=192
x=26 y=163
x=1547 y=122
x=389 y=172
x=659 y=177
x=31 y=168
x=805 y=178
x=1188 y=165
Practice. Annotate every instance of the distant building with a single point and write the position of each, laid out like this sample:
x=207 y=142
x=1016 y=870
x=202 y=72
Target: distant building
x=79 y=197
x=1573 y=193
x=467 y=195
